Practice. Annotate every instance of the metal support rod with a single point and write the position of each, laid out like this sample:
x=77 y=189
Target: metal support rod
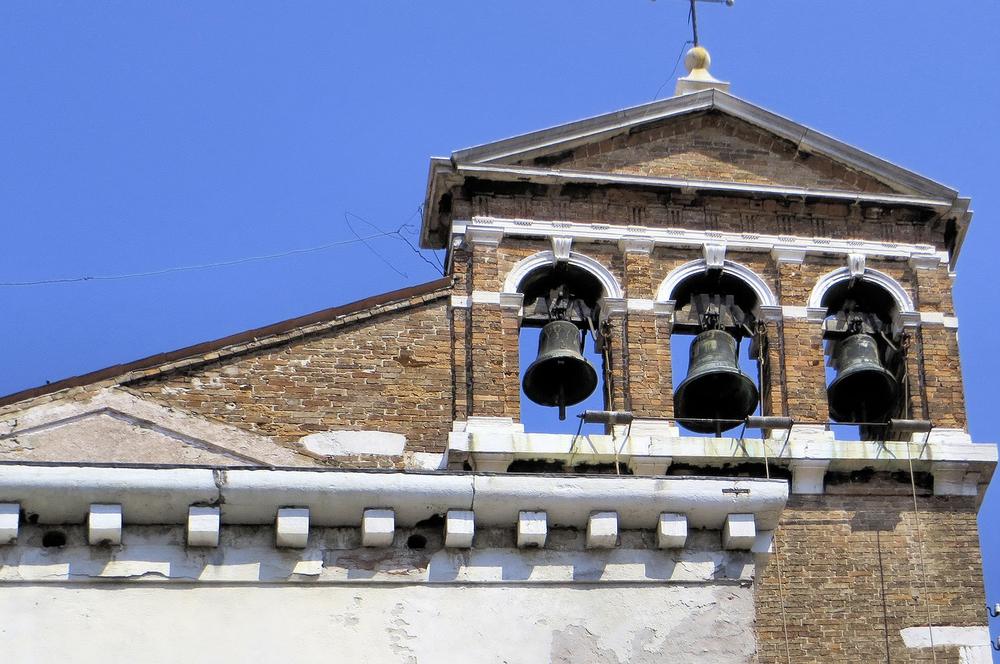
x=769 y=422
x=909 y=426
x=754 y=421
x=607 y=417
x=694 y=21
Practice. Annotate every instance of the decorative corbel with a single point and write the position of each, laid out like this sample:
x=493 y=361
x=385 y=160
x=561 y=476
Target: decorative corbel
x=715 y=255
x=561 y=246
x=856 y=265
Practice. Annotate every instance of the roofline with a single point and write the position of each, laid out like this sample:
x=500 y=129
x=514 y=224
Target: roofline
x=806 y=139
x=699 y=185
x=255 y=334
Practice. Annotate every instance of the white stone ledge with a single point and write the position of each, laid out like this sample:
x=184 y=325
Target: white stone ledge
x=809 y=452
x=805 y=442
x=153 y=554
x=60 y=495
x=568 y=500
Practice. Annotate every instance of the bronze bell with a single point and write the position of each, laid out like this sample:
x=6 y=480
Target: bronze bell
x=560 y=375
x=863 y=391
x=715 y=388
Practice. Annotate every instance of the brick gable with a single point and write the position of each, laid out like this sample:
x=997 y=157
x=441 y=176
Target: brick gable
x=711 y=146
x=388 y=373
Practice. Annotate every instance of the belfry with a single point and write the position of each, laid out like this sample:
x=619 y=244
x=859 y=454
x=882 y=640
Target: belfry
x=755 y=321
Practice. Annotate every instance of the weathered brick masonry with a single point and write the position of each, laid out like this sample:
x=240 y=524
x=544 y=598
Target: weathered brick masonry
x=390 y=373
x=855 y=569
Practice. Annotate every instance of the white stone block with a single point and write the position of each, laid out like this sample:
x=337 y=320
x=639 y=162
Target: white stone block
x=649 y=466
x=342 y=443
x=672 y=531
x=740 y=532
x=602 y=530
x=291 y=527
x=203 y=526
x=954 y=479
x=104 y=524
x=10 y=516
x=763 y=544
x=490 y=462
x=459 y=529
x=378 y=527
x=808 y=475
x=532 y=529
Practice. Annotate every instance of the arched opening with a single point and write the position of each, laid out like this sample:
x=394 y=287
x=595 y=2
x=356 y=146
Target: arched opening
x=718 y=348
x=562 y=367
x=865 y=368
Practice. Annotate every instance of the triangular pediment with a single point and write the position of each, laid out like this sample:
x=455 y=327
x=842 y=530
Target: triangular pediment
x=714 y=147
x=117 y=427
x=707 y=136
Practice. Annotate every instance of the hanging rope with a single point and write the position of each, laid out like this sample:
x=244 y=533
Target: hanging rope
x=781 y=599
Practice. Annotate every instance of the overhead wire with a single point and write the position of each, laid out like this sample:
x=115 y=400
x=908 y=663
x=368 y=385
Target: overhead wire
x=673 y=71
x=350 y=227
x=397 y=233
x=201 y=266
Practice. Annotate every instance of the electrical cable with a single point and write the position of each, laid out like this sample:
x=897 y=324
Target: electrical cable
x=202 y=266
x=673 y=71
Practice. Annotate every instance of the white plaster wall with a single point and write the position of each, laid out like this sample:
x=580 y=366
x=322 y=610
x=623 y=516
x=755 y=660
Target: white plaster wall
x=410 y=624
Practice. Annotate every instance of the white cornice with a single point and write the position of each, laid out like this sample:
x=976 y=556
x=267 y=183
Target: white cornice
x=785 y=245
x=64 y=494
x=544 y=174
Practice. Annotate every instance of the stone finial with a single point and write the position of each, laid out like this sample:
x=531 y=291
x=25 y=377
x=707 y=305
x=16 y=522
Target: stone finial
x=697 y=61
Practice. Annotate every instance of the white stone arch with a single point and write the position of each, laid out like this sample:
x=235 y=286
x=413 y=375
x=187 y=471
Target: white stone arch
x=904 y=303
x=524 y=267
x=765 y=297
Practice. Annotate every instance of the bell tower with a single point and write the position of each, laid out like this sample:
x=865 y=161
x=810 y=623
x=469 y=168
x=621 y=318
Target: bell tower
x=811 y=279
x=745 y=296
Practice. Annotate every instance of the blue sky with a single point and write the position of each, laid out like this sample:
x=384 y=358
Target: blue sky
x=141 y=136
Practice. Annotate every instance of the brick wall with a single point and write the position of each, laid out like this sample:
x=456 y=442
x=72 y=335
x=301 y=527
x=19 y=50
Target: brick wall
x=851 y=576
x=713 y=146
x=390 y=373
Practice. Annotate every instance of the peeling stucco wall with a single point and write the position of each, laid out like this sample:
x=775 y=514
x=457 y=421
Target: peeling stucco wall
x=512 y=624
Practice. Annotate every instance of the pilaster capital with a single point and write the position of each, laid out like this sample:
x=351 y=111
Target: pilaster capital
x=786 y=254
x=636 y=245
x=486 y=236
